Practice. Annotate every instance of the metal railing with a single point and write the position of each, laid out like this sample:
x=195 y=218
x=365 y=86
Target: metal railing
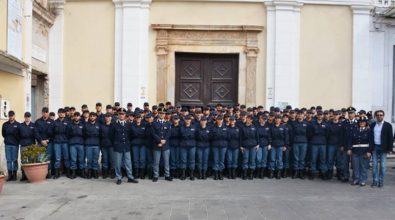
x=384 y=3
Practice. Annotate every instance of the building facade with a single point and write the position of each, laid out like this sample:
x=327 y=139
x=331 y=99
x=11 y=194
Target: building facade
x=333 y=53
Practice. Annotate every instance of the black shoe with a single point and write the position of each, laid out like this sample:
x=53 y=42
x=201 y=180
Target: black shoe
x=57 y=174
x=261 y=174
x=220 y=176
x=136 y=173
x=244 y=175
x=73 y=175
x=150 y=174
x=374 y=184
x=89 y=175
x=169 y=178
x=345 y=180
x=182 y=177
x=23 y=176
x=381 y=185
x=302 y=174
x=271 y=174
x=14 y=176
x=278 y=174
x=283 y=173
x=204 y=174
x=123 y=172
x=312 y=176
x=172 y=173
x=68 y=173
x=155 y=179
x=200 y=174
x=84 y=173
x=295 y=175
x=105 y=173
x=215 y=175
x=250 y=174
x=119 y=182
x=234 y=173
x=132 y=180
x=142 y=173
x=191 y=175
x=112 y=174
x=95 y=174
x=10 y=176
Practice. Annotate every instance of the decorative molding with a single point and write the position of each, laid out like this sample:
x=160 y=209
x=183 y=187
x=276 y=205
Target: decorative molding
x=43 y=14
x=317 y=2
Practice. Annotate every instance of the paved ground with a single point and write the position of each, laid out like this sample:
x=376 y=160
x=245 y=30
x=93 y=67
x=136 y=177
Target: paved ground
x=228 y=199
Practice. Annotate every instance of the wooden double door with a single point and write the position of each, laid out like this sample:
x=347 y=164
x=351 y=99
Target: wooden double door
x=206 y=79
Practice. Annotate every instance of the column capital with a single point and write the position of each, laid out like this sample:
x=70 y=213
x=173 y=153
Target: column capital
x=57 y=5
x=361 y=9
x=132 y=3
x=283 y=5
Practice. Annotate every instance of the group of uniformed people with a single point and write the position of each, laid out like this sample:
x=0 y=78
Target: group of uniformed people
x=181 y=142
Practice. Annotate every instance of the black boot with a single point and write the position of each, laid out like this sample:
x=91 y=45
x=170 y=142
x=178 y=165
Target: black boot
x=220 y=177
x=192 y=175
x=57 y=174
x=200 y=174
x=339 y=174
x=215 y=175
x=295 y=175
x=204 y=176
x=261 y=174
x=312 y=176
x=112 y=175
x=23 y=176
x=89 y=175
x=271 y=175
x=123 y=172
x=105 y=173
x=95 y=174
x=229 y=174
x=150 y=174
x=250 y=174
x=172 y=173
x=244 y=177
x=83 y=173
x=182 y=177
x=302 y=174
x=68 y=173
x=14 y=175
x=330 y=175
x=278 y=174
x=283 y=173
x=73 y=174
x=10 y=176
x=233 y=171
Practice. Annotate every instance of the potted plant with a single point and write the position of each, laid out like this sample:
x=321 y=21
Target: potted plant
x=35 y=163
x=2 y=180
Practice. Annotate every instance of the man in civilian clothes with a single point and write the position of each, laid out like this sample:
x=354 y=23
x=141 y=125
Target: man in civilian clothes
x=121 y=134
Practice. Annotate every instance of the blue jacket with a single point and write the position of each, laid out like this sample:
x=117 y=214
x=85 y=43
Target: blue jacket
x=264 y=135
x=220 y=136
x=75 y=133
x=188 y=136
x=121 y=136
x=10 y=133
x=42 y=127
x=335 y=134
x=105 y=135
x=203 y=137
x=92 y=134
x=348 y=125
x=359 y=137
x=234 y=137
x=175 y=136
x=160 y=131
x=27 y=134
x=249 y=136
x=138 y=134
x=318 y=133
x=299 y=130
x=58 y=131
x=280 y=136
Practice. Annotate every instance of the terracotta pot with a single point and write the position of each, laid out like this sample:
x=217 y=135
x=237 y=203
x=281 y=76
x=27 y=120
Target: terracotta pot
x=2 y=180
x=36 y=172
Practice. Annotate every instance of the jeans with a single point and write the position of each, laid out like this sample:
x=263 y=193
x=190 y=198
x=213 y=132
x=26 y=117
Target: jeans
x=187 y=155
x=276 y=158
x=232 y=157
x=165 y=154
x=61 y=151
x=286 y=158
x=11 y=155
x=219 y=158
x=202 y=157
x=139 y=152
x=261 y=157
x=379 y=162
x=174 y=157
x=107 y=157
x=340 y=159
x=123 y=159
x=92 y=157
x=299 y=152
x=51 y=156
x=360 y=165
x=346 y=164
x=249 y=158
x=318 y=150
x=149 y=157
x=331 y=156
x=77 y=154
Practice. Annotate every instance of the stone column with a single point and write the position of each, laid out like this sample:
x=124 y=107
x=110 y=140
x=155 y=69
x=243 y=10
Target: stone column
x=251 y=51
x=161 y=66
x=131 y=51
x=282 y=58
x=56 y=51
x=361 y=79
x=27 y=53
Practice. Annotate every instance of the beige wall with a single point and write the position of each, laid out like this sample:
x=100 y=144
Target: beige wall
x=89 y=52
x=11 y=89
x=325 y=56
x=219 y=13
x=3 y=24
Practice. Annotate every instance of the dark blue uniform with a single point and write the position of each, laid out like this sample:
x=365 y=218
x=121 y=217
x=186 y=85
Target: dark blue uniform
x=299 y=148
x=138 y=145
x=219 y=145
x=161 y=130
x=232 y=153
x=318 y=133
x=10 y=133
x=188 y=146
x=280 y=139
x=265 y=139
x=92 y=145
x=174 y=143
x=203 y=137
x=106 y=147
x=348 y=125
x=335 y=142
x=58 y=132
x=75 y=134
x=358 y=142
x=249 y=142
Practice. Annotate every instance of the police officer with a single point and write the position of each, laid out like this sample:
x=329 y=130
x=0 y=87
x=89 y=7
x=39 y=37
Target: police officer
x=149 y=146
x=160 y=132
x=107 y=147
x=335 y=143
x=203 y=137
x=286 y=154
x=10 y=134
x=219 y=145
x=249 y=147
x=318 y=133
x=174 y=145
x=76 y=144
x=348 y=125
x=232 y=153
x=121 y=134
x=300 y=141
x=92 y=143
x=358 y=147
x=188 y=133
x=280 y=141
x=265 y=139
x=59 y=135
x=43 y=125
x=138 y=145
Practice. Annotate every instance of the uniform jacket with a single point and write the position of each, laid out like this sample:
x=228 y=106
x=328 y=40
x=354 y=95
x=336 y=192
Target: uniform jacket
x=10 y=133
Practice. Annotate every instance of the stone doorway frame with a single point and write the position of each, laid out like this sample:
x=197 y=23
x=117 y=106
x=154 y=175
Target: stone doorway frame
x=206 y=39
